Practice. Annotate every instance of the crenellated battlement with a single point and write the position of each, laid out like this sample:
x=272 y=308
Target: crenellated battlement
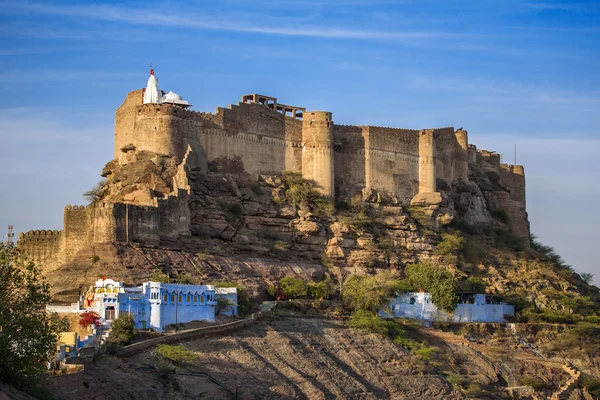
x=38 y=233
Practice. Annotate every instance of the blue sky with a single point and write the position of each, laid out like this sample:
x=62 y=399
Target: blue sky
x=510 y=72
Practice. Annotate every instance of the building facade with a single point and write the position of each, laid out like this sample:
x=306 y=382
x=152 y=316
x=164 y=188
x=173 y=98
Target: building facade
x=155 y=305
x=472 y=307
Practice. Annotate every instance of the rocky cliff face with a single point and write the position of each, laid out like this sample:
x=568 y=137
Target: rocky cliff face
x=283 y=227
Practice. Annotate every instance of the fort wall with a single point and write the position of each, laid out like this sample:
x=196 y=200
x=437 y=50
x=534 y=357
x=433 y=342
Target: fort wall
x=41 y=246
x=349 y=160
x=75 y=230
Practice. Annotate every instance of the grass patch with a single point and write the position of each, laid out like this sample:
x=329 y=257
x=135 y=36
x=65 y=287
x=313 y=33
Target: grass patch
x=175 y=353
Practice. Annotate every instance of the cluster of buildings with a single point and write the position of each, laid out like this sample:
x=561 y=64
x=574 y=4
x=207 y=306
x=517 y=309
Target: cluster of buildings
x=471 y=307
x=154 y=305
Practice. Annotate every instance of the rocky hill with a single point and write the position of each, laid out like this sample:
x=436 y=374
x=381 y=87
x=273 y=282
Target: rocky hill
x=258 y=229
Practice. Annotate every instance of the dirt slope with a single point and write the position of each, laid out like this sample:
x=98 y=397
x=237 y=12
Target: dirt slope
x=311 y=358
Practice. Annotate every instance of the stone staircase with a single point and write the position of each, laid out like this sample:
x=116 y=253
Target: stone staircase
x=567 y=388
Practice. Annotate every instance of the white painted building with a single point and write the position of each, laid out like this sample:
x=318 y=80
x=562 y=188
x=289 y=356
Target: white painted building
x=472 y=307
x=153 y=95
x=153 y=304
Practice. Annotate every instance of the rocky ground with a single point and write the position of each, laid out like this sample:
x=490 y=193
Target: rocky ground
x=316 y=358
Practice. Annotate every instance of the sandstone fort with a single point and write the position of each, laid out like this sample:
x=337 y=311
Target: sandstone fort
x=159 y=143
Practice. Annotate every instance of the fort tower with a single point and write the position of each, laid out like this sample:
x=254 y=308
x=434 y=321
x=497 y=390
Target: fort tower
x=317 y=150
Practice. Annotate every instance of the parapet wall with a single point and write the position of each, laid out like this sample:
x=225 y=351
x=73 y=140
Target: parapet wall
x=41 y=246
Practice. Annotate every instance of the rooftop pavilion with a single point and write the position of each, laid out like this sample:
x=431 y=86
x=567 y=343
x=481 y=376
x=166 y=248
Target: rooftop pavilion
x=271 y=102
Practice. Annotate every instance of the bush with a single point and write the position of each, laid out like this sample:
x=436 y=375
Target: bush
x=159 y=276
x=451 y=244
x=476 y=284
x=293 y=287
x=368 y=293
x=244 y=301
x=303 y=192
x=534 y=382
x=176 y=354
x=322 y=290
x=370 y=322
x=122 y=329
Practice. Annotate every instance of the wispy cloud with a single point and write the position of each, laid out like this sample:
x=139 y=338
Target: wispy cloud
x=199 y=21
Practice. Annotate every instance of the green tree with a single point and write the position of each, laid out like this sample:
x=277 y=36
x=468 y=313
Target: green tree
x=293 y=287
x=222 y=304
x=122 y=329
x=451 y=244
x=436 y=280
x=27 y=333
x=368 y=292
x=323 y=289
x=244 y=301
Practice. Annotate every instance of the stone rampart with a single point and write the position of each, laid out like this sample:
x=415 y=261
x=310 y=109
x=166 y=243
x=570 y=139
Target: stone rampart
x=41 y=246
x=75 y=230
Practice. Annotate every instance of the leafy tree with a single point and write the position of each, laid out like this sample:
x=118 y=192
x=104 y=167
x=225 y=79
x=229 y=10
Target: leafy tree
x=122 y=329
x=244 y=301
x=323 y=289
x=222 y=304
x=436 y=280
x=293 y=287
x=587 y=277
x=370 y=292
x=27 y=333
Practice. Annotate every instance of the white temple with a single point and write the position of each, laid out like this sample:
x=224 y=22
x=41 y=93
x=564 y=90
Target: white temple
x=153 y=95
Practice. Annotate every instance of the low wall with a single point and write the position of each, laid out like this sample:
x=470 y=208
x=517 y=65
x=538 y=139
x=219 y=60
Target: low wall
x=189 y=335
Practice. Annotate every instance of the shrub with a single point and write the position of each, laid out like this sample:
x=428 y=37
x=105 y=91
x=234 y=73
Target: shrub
x=293 y=287
x=95 y=259
x=368 y=293
x=281 y=245
x=244 y=301
x=122 y=329
x=96 y=192
x=457 y=381
x=185 y=279
x=451 y=244
x=322 y=290
x=303 y=192
x=476 y=284
x=222 y=304
x=159 y=276
x=370 y=322
x=175 y=353
x=533 y=381
x=88 y=318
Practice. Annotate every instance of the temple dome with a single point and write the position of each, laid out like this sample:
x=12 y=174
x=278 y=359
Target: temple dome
x=172 y=97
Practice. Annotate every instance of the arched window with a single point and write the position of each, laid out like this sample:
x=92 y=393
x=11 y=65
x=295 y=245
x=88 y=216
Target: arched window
x=165 y=297
x=179 y=297
x=195 y=299
x=412 y=300
x=172 y=298
x=202 y=299
x=188 y=298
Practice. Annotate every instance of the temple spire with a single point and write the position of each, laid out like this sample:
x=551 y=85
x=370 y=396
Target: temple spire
x=152 y=95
